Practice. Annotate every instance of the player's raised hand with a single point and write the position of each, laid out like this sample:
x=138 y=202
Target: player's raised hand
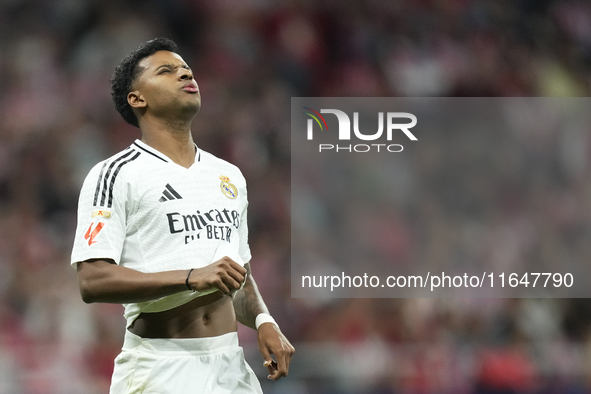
x=272 y=341
x=226 y=275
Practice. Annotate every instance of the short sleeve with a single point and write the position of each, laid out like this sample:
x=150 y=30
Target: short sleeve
x=101 y=227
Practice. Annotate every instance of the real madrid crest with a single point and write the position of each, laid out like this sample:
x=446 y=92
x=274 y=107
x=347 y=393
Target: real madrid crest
x=228 y=188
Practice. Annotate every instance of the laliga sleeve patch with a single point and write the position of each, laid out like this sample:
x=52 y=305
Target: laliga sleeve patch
x=91 y=233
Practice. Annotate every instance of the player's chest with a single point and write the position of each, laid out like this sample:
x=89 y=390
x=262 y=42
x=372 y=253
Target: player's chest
x=204 y=197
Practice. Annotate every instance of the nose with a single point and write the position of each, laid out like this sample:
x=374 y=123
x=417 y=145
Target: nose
x=186 y=74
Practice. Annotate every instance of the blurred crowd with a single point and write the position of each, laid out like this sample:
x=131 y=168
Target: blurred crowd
x=249 y=58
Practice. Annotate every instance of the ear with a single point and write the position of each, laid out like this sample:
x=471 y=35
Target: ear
x=136 y=100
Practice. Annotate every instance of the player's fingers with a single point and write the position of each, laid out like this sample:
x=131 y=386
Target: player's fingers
x=237 y=267
x=283 y=356
x=231 y=267
x=282 y=365
x=237 y=276
x=219 y=284
x=230 y=282
x=271 y=368
x=266 y=355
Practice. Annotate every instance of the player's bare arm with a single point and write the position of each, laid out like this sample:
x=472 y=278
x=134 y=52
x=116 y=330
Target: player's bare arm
x=248 y=304
x=105 y=281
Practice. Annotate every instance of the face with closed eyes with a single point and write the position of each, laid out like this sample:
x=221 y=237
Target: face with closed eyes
x=165 y=88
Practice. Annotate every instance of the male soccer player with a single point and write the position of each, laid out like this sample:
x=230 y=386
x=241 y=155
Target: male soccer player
x=162 y=229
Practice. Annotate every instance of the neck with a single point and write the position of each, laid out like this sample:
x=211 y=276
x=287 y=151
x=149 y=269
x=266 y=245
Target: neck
x=175 y=141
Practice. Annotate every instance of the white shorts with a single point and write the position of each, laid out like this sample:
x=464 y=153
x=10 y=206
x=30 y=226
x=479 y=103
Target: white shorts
x=183 y=366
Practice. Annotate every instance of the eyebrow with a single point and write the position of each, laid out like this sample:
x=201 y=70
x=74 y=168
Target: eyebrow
x=168 y=65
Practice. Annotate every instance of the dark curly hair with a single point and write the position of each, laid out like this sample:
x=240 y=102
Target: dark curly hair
x=127 y=72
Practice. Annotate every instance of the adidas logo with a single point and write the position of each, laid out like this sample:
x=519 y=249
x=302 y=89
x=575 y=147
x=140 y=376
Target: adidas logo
x=169 y=194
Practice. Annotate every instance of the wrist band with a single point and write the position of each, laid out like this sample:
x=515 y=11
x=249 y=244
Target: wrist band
x=187 y=280
x=263 y=318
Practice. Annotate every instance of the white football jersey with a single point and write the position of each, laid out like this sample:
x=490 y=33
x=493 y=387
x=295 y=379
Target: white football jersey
x=147 y=213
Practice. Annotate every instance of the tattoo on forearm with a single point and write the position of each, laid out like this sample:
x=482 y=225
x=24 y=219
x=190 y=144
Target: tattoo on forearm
x=248 y=302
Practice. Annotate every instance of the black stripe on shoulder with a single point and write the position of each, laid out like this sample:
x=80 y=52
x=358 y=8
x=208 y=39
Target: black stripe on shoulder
x=106 y=177
x=153 y=154
x=115 y=176
x=98 y=184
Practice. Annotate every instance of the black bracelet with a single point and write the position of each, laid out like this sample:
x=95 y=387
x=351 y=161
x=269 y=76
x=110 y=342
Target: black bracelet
x=187 y=280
